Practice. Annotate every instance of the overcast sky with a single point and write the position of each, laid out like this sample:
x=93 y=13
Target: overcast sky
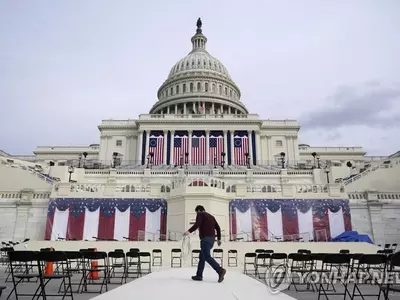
x=332 y=65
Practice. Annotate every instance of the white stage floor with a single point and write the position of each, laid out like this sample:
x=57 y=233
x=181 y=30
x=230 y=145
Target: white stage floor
x=177 y=284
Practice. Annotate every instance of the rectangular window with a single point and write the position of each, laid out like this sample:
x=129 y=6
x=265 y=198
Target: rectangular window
x=279 y=143
x=118 y=143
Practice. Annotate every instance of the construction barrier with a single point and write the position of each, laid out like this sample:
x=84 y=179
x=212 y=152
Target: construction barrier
x=93 y=266
x=49 y=269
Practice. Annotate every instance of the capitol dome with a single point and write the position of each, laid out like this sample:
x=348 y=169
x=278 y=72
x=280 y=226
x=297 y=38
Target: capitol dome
x=198 y=83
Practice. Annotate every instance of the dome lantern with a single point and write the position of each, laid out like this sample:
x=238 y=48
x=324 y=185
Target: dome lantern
x=198 y=83
x=199 y=41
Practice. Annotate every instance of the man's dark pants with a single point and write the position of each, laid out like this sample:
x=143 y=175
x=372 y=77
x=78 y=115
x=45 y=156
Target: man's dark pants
x=206 y=245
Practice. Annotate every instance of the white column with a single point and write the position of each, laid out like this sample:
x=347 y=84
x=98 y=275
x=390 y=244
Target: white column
x=258 y=148
x=165 y=147
x=139 y=146
x=147 y=142
x=289 y=154
x=171 y=150
x=232 y=147
x=271 y=161
x=190 y=146
x=225 y=145
x=250 y=141
x=207 y=147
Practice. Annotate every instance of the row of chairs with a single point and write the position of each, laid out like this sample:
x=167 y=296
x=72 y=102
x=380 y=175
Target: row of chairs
x=93 y=268
x=317 y=270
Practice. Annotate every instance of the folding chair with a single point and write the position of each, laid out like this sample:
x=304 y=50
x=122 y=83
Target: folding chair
x=133 y=264
x=218 y=255
x=134 y=250
x=91 y=270
x=300 y=267
x=262 y=264
x=5 y=260
x=278 y=259
x=21 y=263
x=340 y=262
x=176 y=254
x=195 y=257
x=59 y=257
x=145 y=260
x=116 y=265
x=232 y=258
x=74 y=266
x=393 y=271
x=157 y=257
x=369 y=265
x=250 y=260
x=304 y=251
x=1 y=289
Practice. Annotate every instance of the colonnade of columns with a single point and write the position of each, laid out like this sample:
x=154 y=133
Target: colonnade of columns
x=168 y=153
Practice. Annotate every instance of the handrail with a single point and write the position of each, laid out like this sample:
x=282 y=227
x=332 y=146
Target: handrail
x=373 y=168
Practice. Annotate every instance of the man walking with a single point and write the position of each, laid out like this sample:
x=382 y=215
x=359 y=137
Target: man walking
x=207 y=226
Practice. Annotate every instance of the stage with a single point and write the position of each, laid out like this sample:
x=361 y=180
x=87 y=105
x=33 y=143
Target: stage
x=177 y=284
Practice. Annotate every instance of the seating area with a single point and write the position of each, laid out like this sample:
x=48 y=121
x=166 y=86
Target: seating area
x=50 y=272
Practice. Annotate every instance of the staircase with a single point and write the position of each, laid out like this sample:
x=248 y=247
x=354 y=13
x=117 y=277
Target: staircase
x=394 y=163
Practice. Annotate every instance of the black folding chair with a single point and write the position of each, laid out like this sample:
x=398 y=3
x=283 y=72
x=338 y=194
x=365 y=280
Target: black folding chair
x=232 y=258
x=250 y=260
x=61 y=259
x=393 y=272
x=116 y=265
x=25 y=266
x=133 y=263
x=91 y=270
x=334 y=267
x=176 y=254
x=1 y=289
x=157 y=257
x=195 y=257
x=145 y=260
x=262 y=264
x=218 y=255
x=370 y=270
x=74 y=266
x=300 y=268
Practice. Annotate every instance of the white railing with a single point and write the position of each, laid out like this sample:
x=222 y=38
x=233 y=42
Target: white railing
x=381 y=165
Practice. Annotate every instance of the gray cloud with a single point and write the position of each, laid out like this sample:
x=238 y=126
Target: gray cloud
x=371 y=104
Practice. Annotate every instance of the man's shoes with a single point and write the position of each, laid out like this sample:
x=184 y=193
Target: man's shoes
x=221 y=274
x=197 y=278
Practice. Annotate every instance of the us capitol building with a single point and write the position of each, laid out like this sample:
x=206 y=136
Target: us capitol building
x=198 y=145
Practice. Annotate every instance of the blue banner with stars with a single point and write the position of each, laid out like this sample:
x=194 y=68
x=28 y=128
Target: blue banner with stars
x=107 y=205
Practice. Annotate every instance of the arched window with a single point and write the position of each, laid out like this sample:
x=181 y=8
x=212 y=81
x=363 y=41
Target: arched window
x=213 y=87
x=206 y=87
x=184 y=87
x=191 y=86
x=230 y=93
x=177 y=89
x=226 y=91
x=220 y=89
x=198 y=86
